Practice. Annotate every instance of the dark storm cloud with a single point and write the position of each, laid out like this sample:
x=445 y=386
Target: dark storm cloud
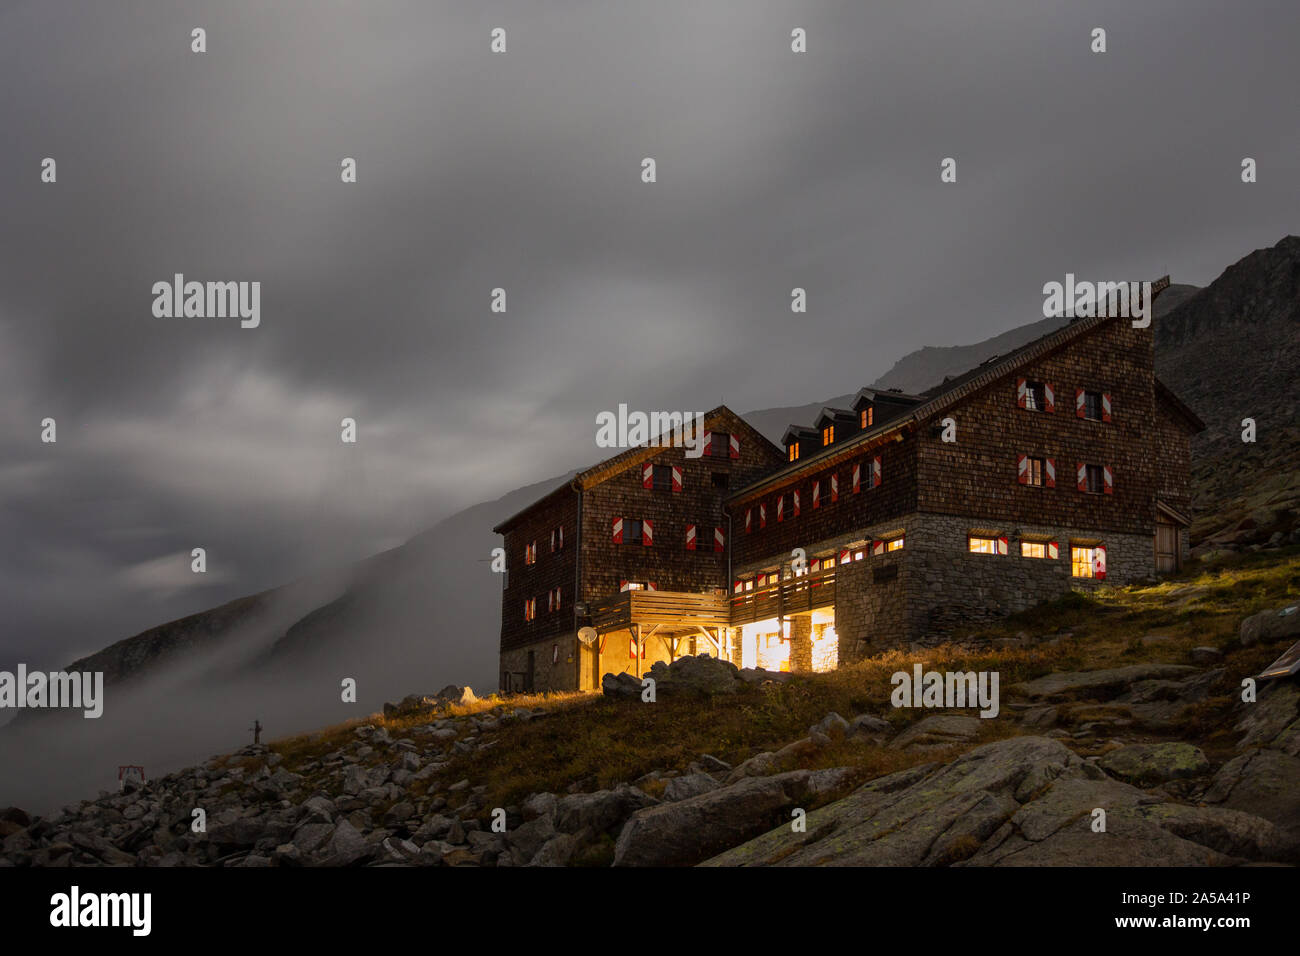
x=522 y=171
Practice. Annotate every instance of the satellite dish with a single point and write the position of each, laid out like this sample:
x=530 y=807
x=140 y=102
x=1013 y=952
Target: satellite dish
x=587 y=635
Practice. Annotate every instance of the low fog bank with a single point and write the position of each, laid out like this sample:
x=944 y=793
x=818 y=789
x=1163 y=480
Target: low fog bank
x=410 y=620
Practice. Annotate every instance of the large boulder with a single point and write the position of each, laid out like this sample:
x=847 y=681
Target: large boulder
x=600 y=811
x=1269 y=627
x=696 y=676
x=454 y=694
x=622 y=686
x=688 y=831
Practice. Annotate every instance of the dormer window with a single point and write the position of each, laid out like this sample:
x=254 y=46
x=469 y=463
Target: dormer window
x=866 y=417
x=794 y=451
x=828 y=435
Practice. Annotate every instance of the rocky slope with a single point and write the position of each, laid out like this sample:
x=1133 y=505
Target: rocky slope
x=1186 y=773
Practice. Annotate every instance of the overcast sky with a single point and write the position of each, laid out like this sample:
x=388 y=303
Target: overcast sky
x=522 y=170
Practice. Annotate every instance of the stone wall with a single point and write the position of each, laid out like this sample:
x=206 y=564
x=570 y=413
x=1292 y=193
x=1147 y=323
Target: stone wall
x=952 y=592
x=561 y=674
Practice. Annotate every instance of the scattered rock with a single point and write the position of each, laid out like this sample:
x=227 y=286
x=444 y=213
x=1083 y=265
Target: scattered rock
x=1150 y=764
x=938 y=730
x=1269 y=627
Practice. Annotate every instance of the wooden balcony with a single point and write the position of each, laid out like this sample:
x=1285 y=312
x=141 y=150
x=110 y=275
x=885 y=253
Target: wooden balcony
x=671 y=609
x=804 y=593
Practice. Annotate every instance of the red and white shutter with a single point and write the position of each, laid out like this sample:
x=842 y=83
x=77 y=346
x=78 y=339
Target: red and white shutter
x=555 y=653
x=1083 y=477
x=1108 y=477
x=550 y=600
x=1022 y=469
x=780 y=508
x=677 y=478
x=835 y=488
x=1022 y=393
x=558 y=596
x=1105 y=406
x=1002 y=545
x=1049 y=472
x=618 y=530
x=875 y=472
x=690 y=537
x=762 y=515
x=1099 y=562
x=647 y=532
x=1049 y=397
x=649 y=586
x=733 y=445
x=1053 y=550
x=719 y=541
x=816 y=495
x=1079 y=411
x=648 y=475
x=857 y=478
x=740 y=587
x=708 y=443
x=796 y=504
x=878 y=547
x=631 y=648
x=622 y=585
x=749 y=520
x=844 y=556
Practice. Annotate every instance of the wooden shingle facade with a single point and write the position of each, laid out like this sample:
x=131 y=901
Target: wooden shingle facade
x=903 y=519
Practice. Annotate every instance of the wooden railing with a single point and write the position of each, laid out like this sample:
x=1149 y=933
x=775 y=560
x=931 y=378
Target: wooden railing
x=659 y=607
x=808 y=591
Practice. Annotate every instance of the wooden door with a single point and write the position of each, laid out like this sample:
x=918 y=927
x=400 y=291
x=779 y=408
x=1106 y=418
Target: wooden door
x=1167 y=556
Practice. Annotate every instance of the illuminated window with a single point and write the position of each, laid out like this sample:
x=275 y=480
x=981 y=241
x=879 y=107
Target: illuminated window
x=979 y=545
x=1033 y=549
x=895 y=544
x=828 y=434
x=1087 y=562
x=866 y=417
x=1034 y=471
x=794 y=451
x=530 y=553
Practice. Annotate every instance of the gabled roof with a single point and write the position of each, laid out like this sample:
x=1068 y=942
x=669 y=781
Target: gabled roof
x=829 y=414
x=798 y=433
x=871 y=395
x=948 y=393
x=603 y=471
